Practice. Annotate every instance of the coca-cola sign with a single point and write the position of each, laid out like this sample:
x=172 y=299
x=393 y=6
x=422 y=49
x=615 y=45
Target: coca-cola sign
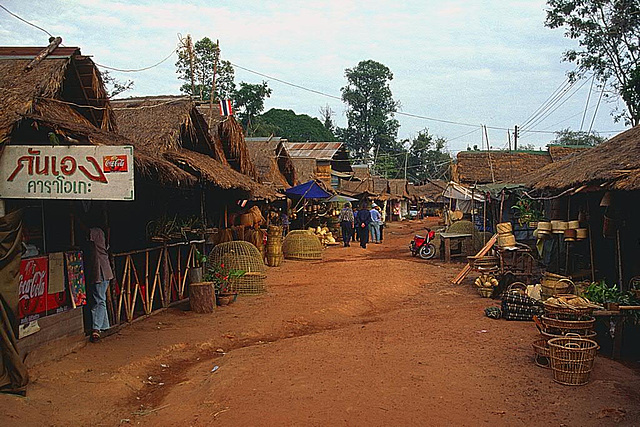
x=32 y=288
x=67 y=172
x=115 y=164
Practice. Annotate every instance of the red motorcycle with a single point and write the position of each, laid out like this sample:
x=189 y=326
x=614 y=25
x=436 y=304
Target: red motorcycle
x=421 y=245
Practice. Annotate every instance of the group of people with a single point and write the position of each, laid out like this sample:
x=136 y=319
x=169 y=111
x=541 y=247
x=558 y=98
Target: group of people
x=360 y=224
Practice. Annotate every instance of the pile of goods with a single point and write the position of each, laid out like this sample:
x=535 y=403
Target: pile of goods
x=570 y=229
x=516 y=305
x=569 y=303
x=486 y=284
x=325 y=236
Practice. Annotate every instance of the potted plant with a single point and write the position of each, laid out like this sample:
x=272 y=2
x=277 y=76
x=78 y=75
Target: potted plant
x=221 y=277
x=527 y=212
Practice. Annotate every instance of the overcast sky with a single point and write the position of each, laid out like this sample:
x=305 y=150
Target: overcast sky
x=475 y=62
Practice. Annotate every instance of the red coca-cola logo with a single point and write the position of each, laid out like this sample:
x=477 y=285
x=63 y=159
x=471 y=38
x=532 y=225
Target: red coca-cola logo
x=32 y=286
x=115 y=163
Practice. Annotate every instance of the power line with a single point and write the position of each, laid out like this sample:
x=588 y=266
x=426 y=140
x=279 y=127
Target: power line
x=588 y=99
x=25 y=21
x=562 y=85
x=139 y=69
x=548 y=106
x=597 y=105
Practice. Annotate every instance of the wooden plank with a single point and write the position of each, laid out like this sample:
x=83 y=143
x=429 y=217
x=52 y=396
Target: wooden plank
x=467 y=268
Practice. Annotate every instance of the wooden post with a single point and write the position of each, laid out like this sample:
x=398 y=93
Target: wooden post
x=202 y=298
x=484 y=222
x=166 y=285
x=619 y=253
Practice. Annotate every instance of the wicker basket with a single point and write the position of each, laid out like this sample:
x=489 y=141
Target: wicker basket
x=575 y=312
x=243 y=256
x=565 y=322
x=554 y=333
x=485 y=292
x=572 y=359
x=541 y=353
x=553 y=284
x=302 y=246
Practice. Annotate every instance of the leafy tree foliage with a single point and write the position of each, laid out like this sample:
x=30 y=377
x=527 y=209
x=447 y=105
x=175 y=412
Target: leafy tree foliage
x=196 y=67
x=608 y=33
x=427 y=158
x=370 y=109
x=326 y=114
x=570 y=137
x=294 y=127
x=115 y=86
x=249 y=102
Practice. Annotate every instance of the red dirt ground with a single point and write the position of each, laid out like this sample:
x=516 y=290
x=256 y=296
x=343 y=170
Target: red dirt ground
x=364 y=337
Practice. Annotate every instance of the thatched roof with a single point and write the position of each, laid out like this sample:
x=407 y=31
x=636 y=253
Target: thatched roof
x=614 y=164
x=65 y=76
x=431 y=191
x=272 y=161
x=559 y=152
x=305 y=169
x=475 y=167
x=227 y=132
x=66 y=122
x=398 y=188
x=172 y=129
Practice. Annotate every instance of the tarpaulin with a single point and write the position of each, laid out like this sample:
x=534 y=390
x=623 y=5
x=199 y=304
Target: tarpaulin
x=308 y=190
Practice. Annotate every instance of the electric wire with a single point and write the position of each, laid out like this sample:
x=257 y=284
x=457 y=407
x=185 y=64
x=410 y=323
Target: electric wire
x=138 y=69
x=25 y=21
x=597 y=106
x=564 y=83
x=588 y=99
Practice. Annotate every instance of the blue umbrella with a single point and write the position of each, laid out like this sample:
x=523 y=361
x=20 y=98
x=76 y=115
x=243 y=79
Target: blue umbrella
x=308 y=190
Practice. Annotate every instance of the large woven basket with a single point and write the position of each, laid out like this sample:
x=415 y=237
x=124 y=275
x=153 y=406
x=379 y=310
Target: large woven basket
x=242 y=256
x=572 y=359
x=541 y=353
x=302 y=246
x=565 y=322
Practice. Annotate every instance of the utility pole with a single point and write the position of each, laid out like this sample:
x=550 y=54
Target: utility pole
x=406 y=158
x=515 y=138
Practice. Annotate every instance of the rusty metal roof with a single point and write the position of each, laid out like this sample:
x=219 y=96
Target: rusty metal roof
x=315 y=150
x=19 y=52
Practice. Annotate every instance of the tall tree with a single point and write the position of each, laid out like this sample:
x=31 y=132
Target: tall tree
x=608 y=33
x=370 y=109
x=294 y=127
x=570 y=137
x=249 y=102
x=427 y=158
x=196 y=64
x=114 y=86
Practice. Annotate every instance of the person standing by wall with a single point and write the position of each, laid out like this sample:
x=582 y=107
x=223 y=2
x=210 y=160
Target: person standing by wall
x=346 y=223
x=363 y=219
x=97 y=274
x=374 y=225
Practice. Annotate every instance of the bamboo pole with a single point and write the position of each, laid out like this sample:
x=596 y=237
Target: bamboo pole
x=157 y=279
x=135 y=292
x=146 y=279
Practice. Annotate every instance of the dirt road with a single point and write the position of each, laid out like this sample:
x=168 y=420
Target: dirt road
x=364 y=337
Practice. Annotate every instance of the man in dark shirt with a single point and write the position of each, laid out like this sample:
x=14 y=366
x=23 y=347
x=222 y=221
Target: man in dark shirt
x=363 y=219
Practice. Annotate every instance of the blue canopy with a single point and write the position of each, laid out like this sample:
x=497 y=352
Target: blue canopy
x=308 y=190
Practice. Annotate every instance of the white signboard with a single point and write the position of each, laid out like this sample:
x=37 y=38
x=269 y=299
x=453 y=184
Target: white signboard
x=66 y=172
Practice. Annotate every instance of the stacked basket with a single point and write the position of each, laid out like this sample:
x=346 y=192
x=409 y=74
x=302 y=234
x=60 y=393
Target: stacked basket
x=506 y=239
x=566 y=345
x=274 y=246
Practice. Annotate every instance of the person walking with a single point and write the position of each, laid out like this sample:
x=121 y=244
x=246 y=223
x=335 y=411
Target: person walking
x=363 y=219
x=346 y=223
x=374 y=225
x=356 y=235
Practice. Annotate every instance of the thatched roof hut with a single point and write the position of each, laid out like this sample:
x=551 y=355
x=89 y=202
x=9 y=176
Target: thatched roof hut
x=431 y=191
x=228 y=133
x=172 y=129
x=64 y=80
x=305 y=169
x=398 y=188
x=613 y=165
x=272 y=161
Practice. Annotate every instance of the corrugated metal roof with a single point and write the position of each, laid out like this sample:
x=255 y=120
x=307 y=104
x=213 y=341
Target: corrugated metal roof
x=316 y=150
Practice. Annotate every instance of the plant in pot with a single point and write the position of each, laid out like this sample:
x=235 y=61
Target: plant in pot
x=528 y=212
x=221 y=277
x=196 y=270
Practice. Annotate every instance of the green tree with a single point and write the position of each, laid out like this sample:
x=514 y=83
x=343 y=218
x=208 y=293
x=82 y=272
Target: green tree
x=608 y=33
x=249 y=102
x=294 y=127
x=427 y=158
x=114 y=86
x=370 y=109
x=570 y=137
x=196 y=64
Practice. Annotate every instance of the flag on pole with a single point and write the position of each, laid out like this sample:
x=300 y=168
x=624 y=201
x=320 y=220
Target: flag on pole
x=225 y=107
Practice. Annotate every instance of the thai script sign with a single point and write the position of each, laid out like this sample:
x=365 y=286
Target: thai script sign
x=67 y=172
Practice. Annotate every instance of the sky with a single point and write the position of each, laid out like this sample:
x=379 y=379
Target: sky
x=472 y=62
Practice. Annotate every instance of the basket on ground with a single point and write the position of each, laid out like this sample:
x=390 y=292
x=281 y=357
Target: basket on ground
x=302 y=246
x=572 y=359
x=541 y=353
x=567 y=322
x=241 y=256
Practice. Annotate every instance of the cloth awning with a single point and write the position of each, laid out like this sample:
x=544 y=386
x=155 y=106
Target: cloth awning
x=341 y=199
x=308 y=190
x=460 y=192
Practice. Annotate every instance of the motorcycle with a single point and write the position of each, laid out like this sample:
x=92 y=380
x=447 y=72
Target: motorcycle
x=422 y=246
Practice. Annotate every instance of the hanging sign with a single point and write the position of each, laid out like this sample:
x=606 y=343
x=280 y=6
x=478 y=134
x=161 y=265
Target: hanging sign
x=85 y=172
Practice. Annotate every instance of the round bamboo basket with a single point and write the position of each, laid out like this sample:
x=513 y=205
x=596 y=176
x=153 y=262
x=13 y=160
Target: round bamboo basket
x=553 y=284
x=558 y=227
x=542 y=355
x=566 y=322
x=572 y=359
x=573 y=224
x=544 y=226
x=274 y=255
x=302 y=246
x=582 y=233
x=243 y=256
x=504 y=228
x=554 y=333
x=506 y=240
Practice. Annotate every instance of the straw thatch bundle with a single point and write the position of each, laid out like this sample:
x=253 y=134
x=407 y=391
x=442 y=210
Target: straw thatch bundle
x=227 y=132
x=56 y=80
x=272 y=161
x=614 y=165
